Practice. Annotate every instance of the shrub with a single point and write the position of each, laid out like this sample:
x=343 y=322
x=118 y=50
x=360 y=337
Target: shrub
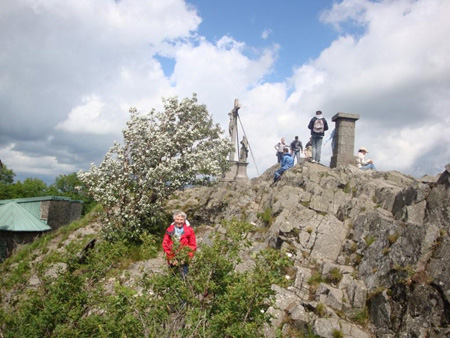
x=214 y=300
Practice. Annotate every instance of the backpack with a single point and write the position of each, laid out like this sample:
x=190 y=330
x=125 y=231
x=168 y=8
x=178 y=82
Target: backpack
x=319 y=126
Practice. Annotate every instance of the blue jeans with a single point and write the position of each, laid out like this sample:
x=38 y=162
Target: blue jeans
x=183 y=270
x=316 y=145
x=368 y=166
x=296 y=155
x=278 y=173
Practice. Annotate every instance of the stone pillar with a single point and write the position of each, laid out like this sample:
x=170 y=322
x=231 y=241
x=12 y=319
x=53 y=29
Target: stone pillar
x=241 y=171
x=344 y=151
x=230 y=175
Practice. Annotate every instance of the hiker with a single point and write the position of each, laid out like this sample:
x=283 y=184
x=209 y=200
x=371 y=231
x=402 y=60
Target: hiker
x=333 y=141
x=279 y=148
x=361 y=161
x=307 y=152
x=179 y=232
x=286 y=163
x=296 y=148
x=318 y=125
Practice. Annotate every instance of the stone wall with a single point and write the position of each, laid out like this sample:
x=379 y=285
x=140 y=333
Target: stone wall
x=10 y=240
x=59 y=212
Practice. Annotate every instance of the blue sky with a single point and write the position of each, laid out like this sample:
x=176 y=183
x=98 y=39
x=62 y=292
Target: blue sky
x=70 y=71
x=293 y=25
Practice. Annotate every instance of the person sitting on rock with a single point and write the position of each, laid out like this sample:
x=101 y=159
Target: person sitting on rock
x=286 y=163
x=361 y=161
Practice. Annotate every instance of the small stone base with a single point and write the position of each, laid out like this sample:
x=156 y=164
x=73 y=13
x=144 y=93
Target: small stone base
x=237 y=172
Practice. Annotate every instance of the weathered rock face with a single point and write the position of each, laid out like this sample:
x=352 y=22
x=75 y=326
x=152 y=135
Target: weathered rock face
x=378 y=241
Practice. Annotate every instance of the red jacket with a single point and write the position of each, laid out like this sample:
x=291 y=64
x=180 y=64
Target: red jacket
x=186 y=239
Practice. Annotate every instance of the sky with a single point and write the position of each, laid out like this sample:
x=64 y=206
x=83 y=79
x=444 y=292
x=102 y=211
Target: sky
x=70 y=70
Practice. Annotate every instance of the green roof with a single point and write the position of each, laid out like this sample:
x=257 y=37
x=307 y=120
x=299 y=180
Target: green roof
x=39 y=199
x=14 y=217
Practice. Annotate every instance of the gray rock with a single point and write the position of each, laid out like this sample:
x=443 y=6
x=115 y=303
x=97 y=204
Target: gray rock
x=331 y=234
x=56 y=269
x=330 y=296
x=324 y=327
x=301 y=286
x=416 y=213
x=357 y=293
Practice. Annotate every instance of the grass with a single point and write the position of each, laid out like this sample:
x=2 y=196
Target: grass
x=360 y=316
x=305 y=203
x=375 y=292
x=347 y=188
x=315 y=279
x=321 y=309
x=392 y=238
x=337 y=334
x=369 y=240
x=266 y=216
x=334 y=276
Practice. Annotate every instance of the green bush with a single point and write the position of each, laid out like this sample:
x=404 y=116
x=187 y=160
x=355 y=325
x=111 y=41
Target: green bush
x=214 y=300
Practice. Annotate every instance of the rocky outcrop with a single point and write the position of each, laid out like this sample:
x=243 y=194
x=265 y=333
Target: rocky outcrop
x=370 y=248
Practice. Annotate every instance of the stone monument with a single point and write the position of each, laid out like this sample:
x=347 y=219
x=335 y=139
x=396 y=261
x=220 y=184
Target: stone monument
x=344 y=137
x=238 y=169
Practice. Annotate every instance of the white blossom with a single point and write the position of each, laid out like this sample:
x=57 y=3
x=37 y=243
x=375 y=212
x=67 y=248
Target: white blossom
x=161 y=152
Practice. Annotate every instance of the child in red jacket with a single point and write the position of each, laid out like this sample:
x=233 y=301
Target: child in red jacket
x=179 y=232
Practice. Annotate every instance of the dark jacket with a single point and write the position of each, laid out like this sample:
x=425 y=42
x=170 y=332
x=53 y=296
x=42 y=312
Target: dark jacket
x=311 y=126
x=296 y=145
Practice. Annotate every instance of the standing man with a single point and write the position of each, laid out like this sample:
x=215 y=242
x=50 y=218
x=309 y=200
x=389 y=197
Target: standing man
x=318 y=125
x=296 y=148
x=178 y=235
x=279 y=148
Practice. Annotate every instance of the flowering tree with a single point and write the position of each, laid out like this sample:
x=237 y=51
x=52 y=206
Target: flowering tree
x=162 y=152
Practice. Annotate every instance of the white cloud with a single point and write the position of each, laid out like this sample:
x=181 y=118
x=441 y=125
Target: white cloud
x=395 y=75
x=219 y=73
x=265 y=34
x=76 y=67
x=89 y=118
x=33 y=165
x=54 y=55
